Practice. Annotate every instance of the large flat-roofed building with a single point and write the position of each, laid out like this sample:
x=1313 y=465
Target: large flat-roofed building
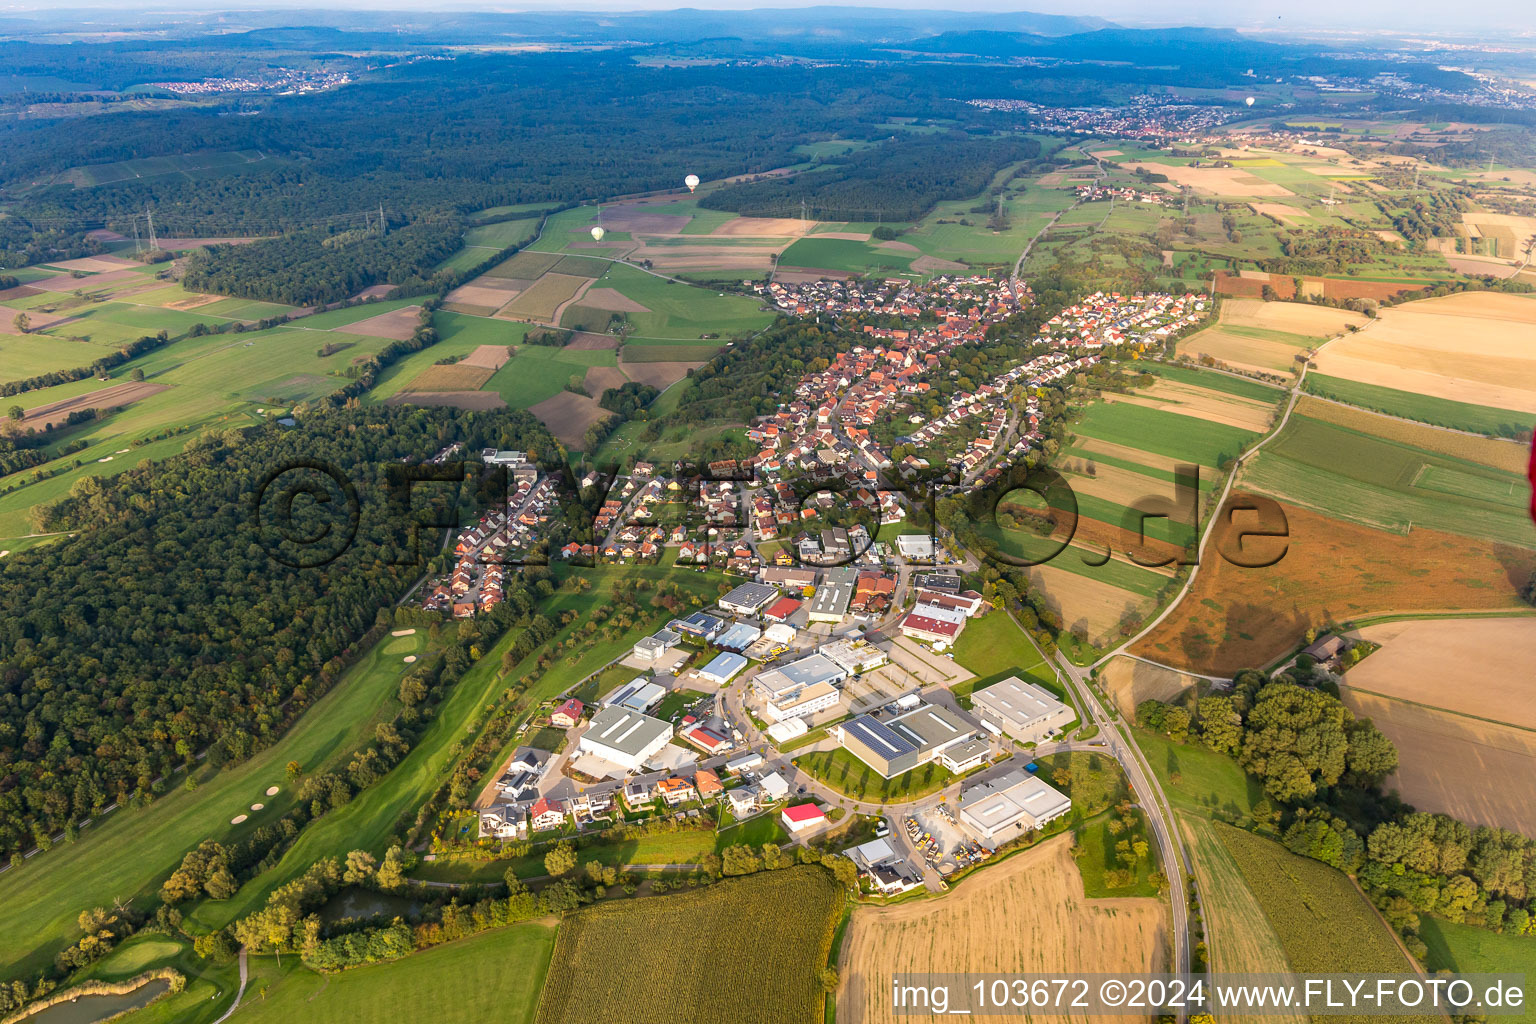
x=637 y=695
x=748 y=598
x=1006 y=807
x=855 y=655
x=624 y=737
x=833 y=595
x=915 y=546
x=722 y=668
x=739 y=637
x=794 y=579
x=797 y=675
x=900 y=744
x=803 y=702
x=1023 y=711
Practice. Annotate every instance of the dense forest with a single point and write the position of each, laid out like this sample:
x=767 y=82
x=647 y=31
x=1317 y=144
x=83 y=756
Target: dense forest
x=459 y=135
x=178 y=619
x=898 y=180
x=1321 y=769
x=316 y=266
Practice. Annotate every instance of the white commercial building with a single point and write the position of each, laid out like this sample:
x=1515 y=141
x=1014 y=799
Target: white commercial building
x=625 y=737
x=915 y=546
x=797 y=675
x=1024 y=711
x=1010 y=805
x=803 y=702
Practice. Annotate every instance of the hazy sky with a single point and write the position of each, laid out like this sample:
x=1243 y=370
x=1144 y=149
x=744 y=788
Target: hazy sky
x=1509 y=16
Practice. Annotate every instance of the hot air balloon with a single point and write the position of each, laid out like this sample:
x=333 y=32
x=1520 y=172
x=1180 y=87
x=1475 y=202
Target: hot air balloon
x=1249 y=101
x=598 y=232
x=692 y=181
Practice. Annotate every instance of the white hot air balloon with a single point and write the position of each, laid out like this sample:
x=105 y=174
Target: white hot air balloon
x=692 y=181
x=598 y=232
x=1249 y=101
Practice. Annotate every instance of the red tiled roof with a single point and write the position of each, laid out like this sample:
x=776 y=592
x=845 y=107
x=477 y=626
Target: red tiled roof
x=804 y=812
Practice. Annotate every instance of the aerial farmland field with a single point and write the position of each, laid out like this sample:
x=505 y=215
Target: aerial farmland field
x=1322 y=921
x=1025 y=914
x=1471 y=348
x=1239 y=936
x=1332 y=570
x=1446 y=758
x=1389 y=484
x=496 y=974
x=774 y=963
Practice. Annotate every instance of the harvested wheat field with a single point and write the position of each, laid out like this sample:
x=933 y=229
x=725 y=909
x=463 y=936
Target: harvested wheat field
x=489 y=357
x=1027 y=914
x=1479 y=667
x=194 y=301
x=547 y=296
x=765 y=227
x=1096 y=606
x=1152 y=460
x=612 y=300
x=637 y=219
x=1214 y=181
x=452 y=377
x=397 y=325
x=1202 y=404
x=1474 y=347
x=476 y=401
x=96 y=264
x=568 y=415
x=1288 y=215
x=114 y=396
x=587 y=341
x=658 y=375
x=70 y=283
x=1239 y=937
x=601 y=378
x=1446 y=761
x=708 y=257
x=1510 y=456
x=1291 y=317
x=1125 y=487
x=935 y=265
x=1261 y=355
x=1482 y=265
x=484 y=290
x=1332 y=571
x=1130 y=682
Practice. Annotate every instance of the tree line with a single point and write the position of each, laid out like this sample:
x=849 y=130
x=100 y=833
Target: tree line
x=897 y=180
x=1321 y=769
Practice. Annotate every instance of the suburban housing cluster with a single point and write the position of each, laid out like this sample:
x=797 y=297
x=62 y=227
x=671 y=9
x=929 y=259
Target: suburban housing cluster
x=505 y=532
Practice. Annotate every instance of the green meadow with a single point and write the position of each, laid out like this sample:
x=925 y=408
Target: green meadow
x=681 y=312
x=1163 y=433
x=1440 y=412
x=495 y=975
x=1390 y=485
x=820 y=253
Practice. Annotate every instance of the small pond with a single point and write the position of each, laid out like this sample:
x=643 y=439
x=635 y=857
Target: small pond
x=89 y=1009
x=357 y=902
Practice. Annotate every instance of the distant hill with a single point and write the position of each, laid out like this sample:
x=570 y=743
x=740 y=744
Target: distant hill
x=760 y=29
